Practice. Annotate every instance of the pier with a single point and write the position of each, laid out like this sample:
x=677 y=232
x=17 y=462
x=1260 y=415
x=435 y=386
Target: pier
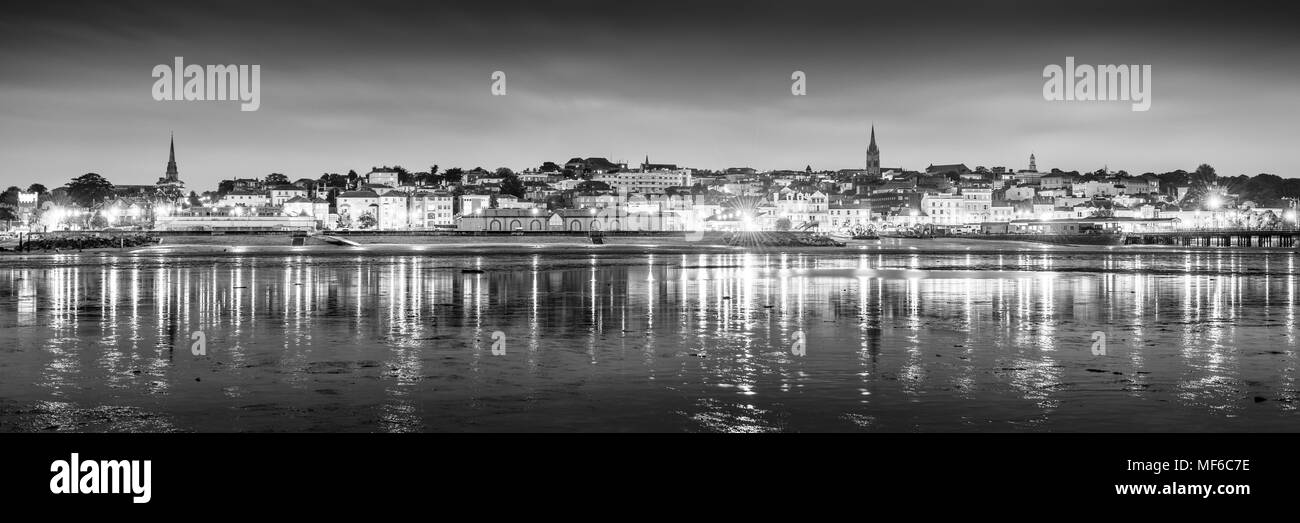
x=1284 y=238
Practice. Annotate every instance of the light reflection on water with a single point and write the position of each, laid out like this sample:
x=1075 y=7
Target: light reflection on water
x=895 y=342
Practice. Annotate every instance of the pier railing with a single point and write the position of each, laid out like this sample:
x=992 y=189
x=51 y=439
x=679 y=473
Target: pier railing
x=1217 y=237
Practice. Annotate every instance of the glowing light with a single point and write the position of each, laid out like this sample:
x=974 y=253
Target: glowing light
x=1214 y=201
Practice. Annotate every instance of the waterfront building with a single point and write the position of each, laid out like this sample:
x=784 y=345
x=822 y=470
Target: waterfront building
x=471 y=204
x=535 y=220
x=849 y=215
x=393 y=213
x=233 y=218
x=303 y=206
x=804 y=210
x=352 y=205
x=432 y=210
x=245 y=199
x=944 y=208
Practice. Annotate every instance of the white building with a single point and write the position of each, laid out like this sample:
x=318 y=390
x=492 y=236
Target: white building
x=976 y=202
x=352 y=205
x=233 y=218
x=284 y=193
x=302 y=206
x=944 y=208
x=850 y=216
x=1021 y=192
x=1096 y=188
x=804 y=210
x=431 y=210
x=655 y=181
x=385 y=176
x=245 y=199
x=471 y=204
x=393 y=211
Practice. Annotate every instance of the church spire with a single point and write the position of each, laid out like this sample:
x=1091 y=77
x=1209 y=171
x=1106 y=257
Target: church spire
x=873 y=155
x=173 y=175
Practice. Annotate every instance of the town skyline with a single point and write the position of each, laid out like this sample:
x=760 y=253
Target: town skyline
x=705 y=86
x=1032 y=162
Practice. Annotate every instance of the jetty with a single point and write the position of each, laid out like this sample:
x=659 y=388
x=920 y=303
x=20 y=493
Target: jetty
x=1281 y=238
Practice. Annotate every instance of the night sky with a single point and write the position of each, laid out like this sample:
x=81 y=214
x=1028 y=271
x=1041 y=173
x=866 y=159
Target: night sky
x=356 y=85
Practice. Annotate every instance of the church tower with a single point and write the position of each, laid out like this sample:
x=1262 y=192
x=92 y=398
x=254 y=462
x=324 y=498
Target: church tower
x=873 y=156
x=1033 y=166
x=173 y=175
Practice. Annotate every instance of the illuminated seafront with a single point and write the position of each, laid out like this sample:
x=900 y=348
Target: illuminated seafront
x=898 y=336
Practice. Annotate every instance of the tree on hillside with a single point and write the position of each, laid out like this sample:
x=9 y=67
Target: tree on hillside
x=513 y=186
x=88 y=189
x=225 y=187
x=1200 y=182
x=10 y=196
x=1205 y=175
x=404 y=176
x=275 y=179
x=454 y=175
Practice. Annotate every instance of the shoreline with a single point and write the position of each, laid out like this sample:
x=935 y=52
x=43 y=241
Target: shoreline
x=272 y=245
